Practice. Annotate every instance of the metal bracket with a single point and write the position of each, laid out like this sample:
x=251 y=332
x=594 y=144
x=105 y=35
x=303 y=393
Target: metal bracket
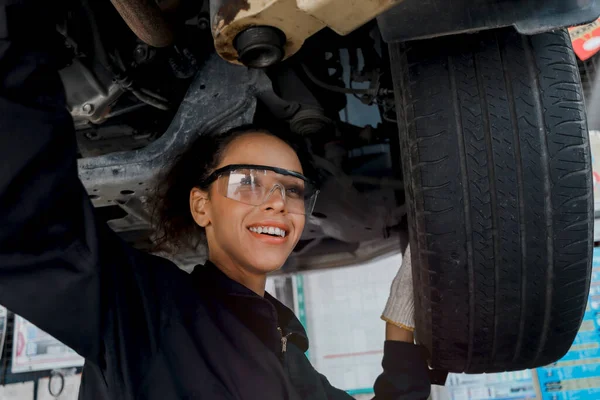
x=222 y=96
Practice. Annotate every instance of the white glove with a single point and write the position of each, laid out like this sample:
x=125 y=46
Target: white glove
x=400 y=307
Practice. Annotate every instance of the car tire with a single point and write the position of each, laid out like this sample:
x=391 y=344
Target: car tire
x=497 y=170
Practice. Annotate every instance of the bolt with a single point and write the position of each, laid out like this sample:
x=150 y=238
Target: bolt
x=203 y=23
x=140 y=54
x=91 y=135
x=88 y=108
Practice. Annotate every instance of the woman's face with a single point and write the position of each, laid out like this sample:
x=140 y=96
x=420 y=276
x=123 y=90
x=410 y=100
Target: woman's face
x=230 y=241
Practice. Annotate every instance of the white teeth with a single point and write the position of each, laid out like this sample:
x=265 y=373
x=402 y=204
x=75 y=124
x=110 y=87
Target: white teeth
x=271 y=230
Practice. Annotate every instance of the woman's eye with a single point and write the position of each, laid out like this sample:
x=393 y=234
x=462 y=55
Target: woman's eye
x=295 y=191
x=246 y=181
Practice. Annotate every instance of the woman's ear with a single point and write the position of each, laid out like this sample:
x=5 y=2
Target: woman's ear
x=199 y=207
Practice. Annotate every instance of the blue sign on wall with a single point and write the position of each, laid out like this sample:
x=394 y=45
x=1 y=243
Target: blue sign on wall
x=577 y=375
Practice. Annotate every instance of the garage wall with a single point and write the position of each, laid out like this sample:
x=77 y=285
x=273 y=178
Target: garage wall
x=343 y=309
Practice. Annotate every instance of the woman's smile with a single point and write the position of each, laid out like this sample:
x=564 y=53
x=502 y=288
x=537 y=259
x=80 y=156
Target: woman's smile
x=270 y=232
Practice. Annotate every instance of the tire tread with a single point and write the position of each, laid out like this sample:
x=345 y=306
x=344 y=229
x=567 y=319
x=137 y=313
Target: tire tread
x=496 y=156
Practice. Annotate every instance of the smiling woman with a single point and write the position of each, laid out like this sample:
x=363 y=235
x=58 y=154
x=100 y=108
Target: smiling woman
x=147 y=329
x=236 y=205
x=200 y=166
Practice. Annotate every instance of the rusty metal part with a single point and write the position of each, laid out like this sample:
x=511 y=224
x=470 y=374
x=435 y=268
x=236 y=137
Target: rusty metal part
x=146 y=20
x=297 y=19
x=231 y=17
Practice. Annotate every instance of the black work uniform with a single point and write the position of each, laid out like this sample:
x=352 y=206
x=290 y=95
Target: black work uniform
x=146 y=329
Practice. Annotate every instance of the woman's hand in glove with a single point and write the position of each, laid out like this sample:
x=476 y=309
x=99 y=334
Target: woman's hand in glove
x=400 y=308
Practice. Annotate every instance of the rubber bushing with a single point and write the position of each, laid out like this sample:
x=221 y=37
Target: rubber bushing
x=260 y=46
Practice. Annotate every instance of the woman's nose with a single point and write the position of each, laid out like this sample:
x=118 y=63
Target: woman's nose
x=275 y=199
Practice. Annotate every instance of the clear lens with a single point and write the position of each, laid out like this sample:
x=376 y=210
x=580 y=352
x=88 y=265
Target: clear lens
x=255 y=186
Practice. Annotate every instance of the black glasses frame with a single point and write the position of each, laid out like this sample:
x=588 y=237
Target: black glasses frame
x=228 y=168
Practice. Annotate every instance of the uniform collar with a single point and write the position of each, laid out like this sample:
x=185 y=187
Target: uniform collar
x=262 y=315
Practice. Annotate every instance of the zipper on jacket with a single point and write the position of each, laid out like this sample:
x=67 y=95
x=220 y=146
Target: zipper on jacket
x=284 y=340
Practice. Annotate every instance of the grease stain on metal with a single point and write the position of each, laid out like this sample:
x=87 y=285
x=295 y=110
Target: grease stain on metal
x=231 y=9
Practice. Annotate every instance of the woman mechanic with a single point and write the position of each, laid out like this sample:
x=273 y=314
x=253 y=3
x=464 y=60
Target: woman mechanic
x=147 y=329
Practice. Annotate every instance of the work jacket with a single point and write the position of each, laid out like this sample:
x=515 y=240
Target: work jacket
x=146 y=329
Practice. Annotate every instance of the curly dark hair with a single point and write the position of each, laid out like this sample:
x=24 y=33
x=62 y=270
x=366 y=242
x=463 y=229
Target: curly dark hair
x=171 y=216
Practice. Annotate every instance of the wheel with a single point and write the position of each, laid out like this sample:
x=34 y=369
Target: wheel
x=497 y=169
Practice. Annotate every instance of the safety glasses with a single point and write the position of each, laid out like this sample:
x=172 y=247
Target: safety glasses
x=254 y=184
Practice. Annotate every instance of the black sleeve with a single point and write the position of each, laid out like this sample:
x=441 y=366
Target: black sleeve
x=405 y=375
x=50 y=243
